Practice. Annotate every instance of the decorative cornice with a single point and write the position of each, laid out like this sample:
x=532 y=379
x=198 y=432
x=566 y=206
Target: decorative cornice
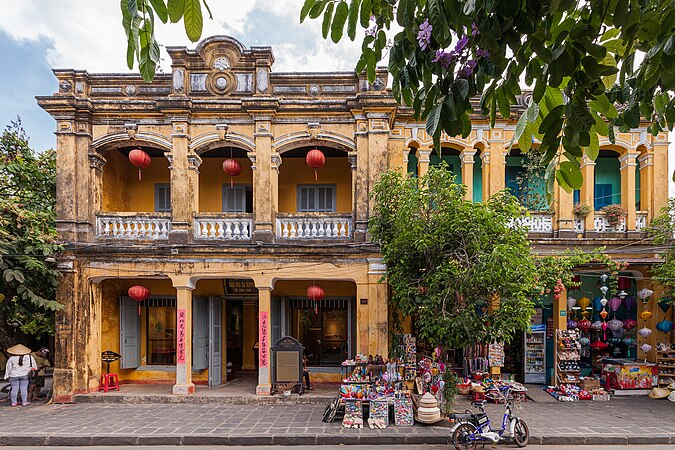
x=96 y=162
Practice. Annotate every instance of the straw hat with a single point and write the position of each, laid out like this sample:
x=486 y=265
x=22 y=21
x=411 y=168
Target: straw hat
x=658 y=392
x=19 y=350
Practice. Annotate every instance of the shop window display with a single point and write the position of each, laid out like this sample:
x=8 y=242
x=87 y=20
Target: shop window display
x=161 y=332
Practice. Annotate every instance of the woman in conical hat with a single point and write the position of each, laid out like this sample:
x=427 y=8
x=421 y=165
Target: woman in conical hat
x=18 y=367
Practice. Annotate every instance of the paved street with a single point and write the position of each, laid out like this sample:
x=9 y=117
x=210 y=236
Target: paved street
x=620 y=421
x=351 y=447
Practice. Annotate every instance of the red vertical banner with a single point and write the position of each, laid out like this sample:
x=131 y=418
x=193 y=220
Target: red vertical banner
x=263 y=343
x=180 y=344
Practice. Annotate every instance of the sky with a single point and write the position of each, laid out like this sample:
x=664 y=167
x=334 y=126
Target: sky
x=37 y=35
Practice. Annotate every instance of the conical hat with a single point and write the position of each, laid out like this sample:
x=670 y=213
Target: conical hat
x=19 y=350
x=659 y=393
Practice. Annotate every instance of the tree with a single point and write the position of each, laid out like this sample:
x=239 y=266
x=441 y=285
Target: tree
x=27 y=236
x=463 y=269
x=662 y=231
x=594 y=66
x=138 y=20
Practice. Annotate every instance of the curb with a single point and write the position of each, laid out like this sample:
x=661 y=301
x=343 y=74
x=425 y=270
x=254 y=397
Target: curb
x=229 y=400
x=339 y=438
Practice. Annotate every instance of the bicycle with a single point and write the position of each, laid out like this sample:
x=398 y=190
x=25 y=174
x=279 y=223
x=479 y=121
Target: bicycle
x=476 y=428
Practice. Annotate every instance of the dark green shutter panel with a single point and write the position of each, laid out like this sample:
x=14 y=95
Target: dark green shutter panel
x=200 y=333
x=130 y=334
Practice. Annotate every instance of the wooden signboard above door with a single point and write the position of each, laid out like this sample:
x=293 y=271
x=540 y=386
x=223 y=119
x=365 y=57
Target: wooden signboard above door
x=240 y=288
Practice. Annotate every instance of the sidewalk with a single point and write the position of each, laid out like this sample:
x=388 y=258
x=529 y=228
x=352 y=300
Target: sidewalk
x=620 y=421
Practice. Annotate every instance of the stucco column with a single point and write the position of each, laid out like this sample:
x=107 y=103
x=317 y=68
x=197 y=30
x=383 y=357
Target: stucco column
x=587 y=191
x=264 y=341
x=485 y=173
x=378 y=148
x=263 y=214
x=362 y=318
x=627 y=168
x=497 y=165
x=563 y=208
x=423 y=155
x=250 y=337
x=559 y=323
x=362 y=182
x=466 y=161
x=647 y=184
x=182 y=185
x=184 y=383
x=378 y=309
x=661 y=175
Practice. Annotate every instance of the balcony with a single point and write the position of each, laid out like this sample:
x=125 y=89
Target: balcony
x=314 y=226
x=537 y=222
x=640 y=220
x=133 y=226
x=223 y=226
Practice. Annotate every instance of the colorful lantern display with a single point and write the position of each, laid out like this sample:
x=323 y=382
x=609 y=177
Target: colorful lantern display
x=665 y=326
x=604 y=290
x=629 y=302
x=315 y=159
x=629 y=324
x=645 y=332
x=604 y=277
x=584 y=325
x=615 y=324
x=138 y=293
x=629 y=341
x=571 y=324
x=597 y=325
x=599 y=345
x=583 y=302
x=645 y=294
x=604 y=314
x=597 y=303
x=614 y=303
x=664 y=303
x=140 y=159
x=646 y=315
x=624 y=283
x=622 y=294
x=316 y=294
x=584 y=341
x=646 y=348
x=571 y=302
x=232 y=168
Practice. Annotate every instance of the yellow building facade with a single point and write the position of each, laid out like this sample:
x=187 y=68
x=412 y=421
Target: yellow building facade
x=228 y=260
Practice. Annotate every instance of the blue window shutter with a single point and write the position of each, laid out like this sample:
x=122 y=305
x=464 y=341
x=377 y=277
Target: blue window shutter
x=577 y=196
x=200 y=333
x=276 y=319
x=130 y=334
x=603 y=195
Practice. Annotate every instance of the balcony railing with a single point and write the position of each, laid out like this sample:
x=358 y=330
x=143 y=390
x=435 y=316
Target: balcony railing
x=217 y=226
x=579 y=225
x=123 y=225
x=601 y=224
x=537 y=222
x=314 y=226
x=640 y=220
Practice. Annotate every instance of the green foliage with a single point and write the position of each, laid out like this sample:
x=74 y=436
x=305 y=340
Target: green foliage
x=27 y=235
x=449 y=390
x=531 y=183
x=138 y=20
x=613 y=61
x=448 y=259
x=662 y=230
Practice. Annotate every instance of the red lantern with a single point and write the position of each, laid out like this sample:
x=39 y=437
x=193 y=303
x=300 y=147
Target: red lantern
x=232 y=167
x=599 y=345
x=315 y=159
x=577 y=281
x=315 y=293
x=139 y=159
x=139 y=293
x=624 y=283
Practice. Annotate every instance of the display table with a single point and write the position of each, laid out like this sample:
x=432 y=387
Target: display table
x=626 y=374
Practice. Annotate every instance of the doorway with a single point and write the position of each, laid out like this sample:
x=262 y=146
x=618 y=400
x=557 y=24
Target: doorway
x=207 y=337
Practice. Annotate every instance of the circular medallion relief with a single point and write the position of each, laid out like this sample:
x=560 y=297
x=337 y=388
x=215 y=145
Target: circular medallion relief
x=221 y=83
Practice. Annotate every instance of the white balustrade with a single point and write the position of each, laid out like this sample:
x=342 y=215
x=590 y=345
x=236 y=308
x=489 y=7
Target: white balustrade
x=132 y=226
x=222 y=228
x=579 y=225
x=537 y=222
x=640 y=221
x=601 y=224
x=314 y=227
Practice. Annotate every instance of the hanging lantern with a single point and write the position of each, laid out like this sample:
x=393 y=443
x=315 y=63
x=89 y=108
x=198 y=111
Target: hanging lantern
x=140 y=159
x=629 y=341
x=584 y=341
x=316 y=294
x=138 y=293
x=232 y=168
x=614 y=303
x=624 y=283
x=599 y=345
x=604 y=277
x=604 y=290
x=645 y=332
x=597 y=325
x=584 y=325
x=646 y=348
x=629 y=302
x=598 y=304
x=644 y=294
x=571 y=324
x=664 y=303
x=622 y=294
x=629 y=324
x=603 y=301
x=315 y=159
x=583 y=302
x=571 y=301
x=646 y=315
x=664 y=326
x=604 y=314
x=615 y=324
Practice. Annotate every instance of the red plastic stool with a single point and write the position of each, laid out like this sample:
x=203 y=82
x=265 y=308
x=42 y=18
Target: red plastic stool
x=478 y=396
x=109 y=382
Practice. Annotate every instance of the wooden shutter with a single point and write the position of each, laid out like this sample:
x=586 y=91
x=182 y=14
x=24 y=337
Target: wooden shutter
x=316 y=198
x=162 y=197
x=275 y=319
x=234 y=198
x=200 y=333
x=130 y=334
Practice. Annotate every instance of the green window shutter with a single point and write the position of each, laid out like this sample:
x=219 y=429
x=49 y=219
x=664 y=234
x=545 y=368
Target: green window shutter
x=130 y=334
x=200 y=333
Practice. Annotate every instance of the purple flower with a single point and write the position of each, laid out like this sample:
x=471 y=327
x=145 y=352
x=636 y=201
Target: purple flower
x=445 y=59
x=424 y=35
x=482 y=53
x=461 y=44
x=470 y=67
x=474 y=30
x=371 y=31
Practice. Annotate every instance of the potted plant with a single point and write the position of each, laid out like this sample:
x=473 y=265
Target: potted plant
x=614 y=214
x=581 y=210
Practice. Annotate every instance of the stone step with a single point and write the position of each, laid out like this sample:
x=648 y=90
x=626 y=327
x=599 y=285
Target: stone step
x=117 y=398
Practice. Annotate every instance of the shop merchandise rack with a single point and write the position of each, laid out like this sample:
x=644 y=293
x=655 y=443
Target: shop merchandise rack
x=373 y=377
x=568 y=356
x=665 y=358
